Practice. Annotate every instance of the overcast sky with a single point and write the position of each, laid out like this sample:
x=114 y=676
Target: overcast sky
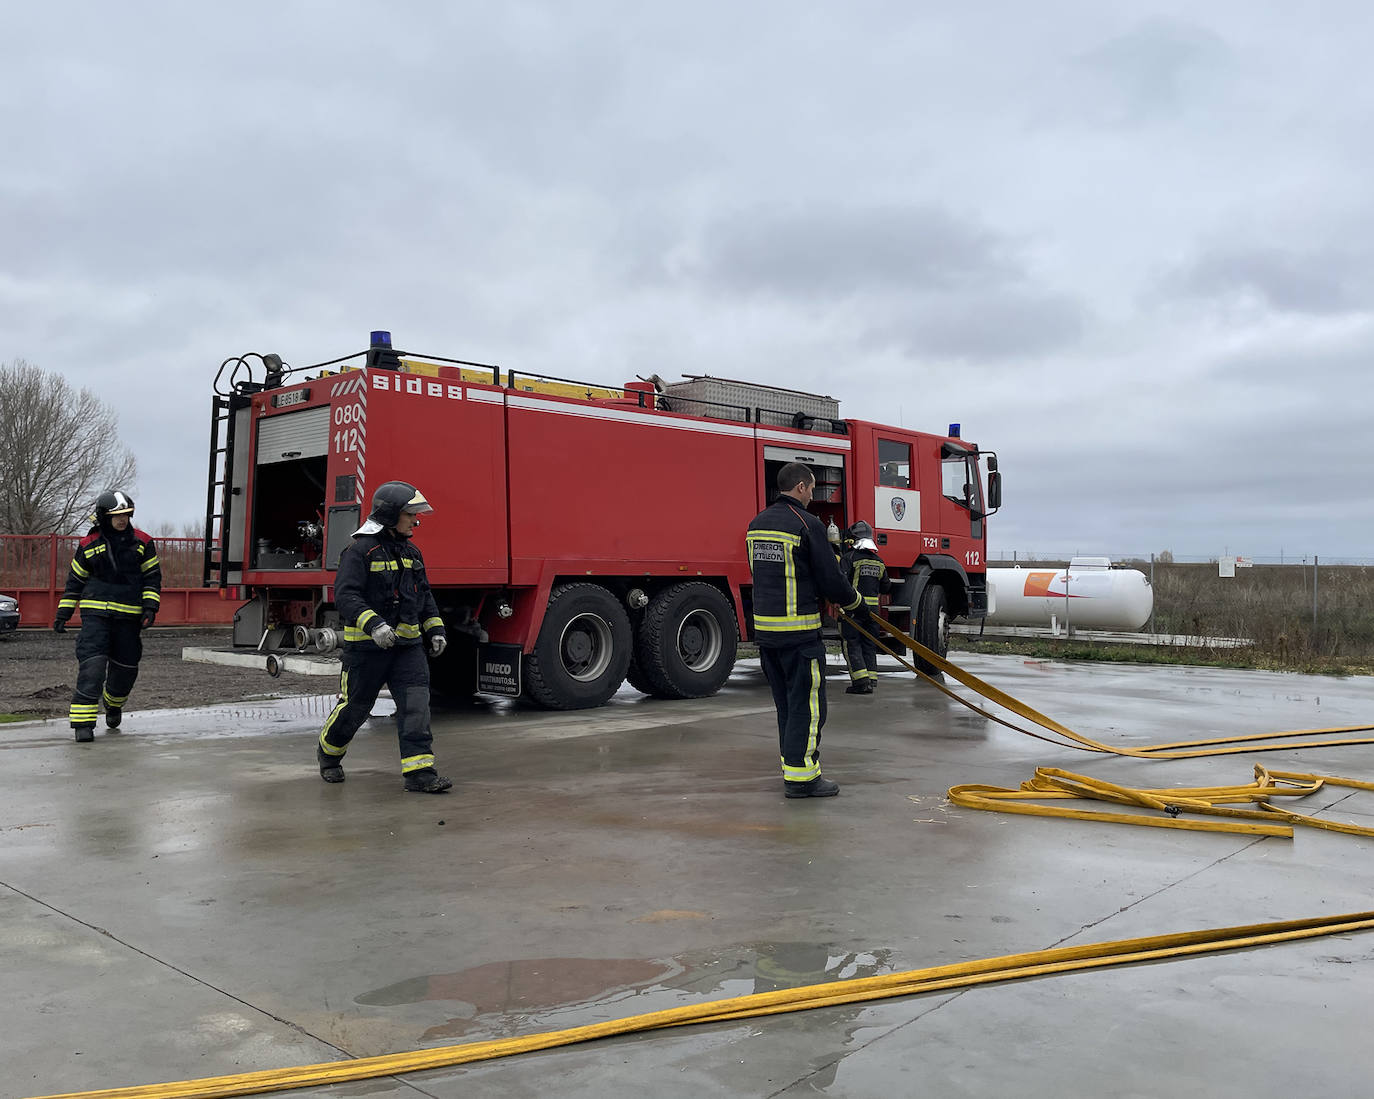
x=1129 y=246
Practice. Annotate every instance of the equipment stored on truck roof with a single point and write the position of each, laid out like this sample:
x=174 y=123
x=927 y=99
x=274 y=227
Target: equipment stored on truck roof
x=583 y=535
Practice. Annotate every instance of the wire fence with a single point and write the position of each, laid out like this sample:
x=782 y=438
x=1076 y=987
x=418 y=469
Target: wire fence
x=41 y=560
x=1007 y=558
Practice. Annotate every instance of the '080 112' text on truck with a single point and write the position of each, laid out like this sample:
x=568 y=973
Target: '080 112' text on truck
x=582 y=535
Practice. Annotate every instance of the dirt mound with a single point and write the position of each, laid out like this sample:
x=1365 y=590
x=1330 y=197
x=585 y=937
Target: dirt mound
x=38 y=668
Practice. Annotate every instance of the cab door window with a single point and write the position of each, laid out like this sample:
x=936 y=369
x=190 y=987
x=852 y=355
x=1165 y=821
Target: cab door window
x=894 y=463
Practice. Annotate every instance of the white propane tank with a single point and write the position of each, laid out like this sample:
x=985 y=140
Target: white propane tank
x=1089 y=595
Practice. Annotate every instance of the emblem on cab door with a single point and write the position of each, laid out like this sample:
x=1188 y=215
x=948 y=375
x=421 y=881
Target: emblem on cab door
x=898 y=508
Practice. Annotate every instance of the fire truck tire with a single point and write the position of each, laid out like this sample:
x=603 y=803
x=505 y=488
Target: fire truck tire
x=583 y=650
x=932 y=625
x=687 y=642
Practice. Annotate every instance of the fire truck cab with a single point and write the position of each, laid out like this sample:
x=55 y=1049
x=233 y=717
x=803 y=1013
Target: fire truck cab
x=582 y=536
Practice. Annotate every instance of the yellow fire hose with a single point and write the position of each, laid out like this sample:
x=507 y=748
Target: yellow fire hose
x=1244 y=743
x=913 y=982
x=1048 y=784
x=1051 y=783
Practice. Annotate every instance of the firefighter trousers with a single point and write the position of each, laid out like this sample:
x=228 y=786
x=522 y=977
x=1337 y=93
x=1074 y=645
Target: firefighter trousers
x=860 y=654
x=405 y=671
x=108 y=650
x=797 y=676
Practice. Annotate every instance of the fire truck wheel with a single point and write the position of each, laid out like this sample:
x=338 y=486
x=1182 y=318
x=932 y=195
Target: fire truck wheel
x=932 y=625
x=583 y=649
x=687 y=641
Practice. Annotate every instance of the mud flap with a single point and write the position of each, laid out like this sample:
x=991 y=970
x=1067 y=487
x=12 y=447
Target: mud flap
x=498 y=669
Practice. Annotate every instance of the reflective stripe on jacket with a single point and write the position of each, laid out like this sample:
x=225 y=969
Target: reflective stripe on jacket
x=115 y=575
x=867 y=573
x=381 y=578
x=793 y=568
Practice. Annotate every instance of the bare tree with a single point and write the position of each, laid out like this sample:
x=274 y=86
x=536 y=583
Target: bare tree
x=59 y=449
x=187 y=528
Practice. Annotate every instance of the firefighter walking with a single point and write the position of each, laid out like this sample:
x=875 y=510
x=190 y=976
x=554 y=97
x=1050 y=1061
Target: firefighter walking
x=389 y=617
x=115 y=580
x=867 y=573
x=793 y=569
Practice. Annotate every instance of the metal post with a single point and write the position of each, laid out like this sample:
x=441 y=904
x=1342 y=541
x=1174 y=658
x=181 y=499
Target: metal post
x=1314 y=598
x=1152 y=593
x=1068 y=622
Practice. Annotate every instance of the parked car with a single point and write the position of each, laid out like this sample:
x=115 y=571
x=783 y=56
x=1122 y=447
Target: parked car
x=9 y=614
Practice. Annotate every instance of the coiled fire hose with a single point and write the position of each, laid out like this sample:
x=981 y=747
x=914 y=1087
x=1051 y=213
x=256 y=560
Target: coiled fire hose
x=1051 y=783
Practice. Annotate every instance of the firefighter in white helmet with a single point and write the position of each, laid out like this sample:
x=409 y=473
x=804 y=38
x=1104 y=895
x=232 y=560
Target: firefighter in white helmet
x=115 y=580
x=390 y=619
x=865 y=570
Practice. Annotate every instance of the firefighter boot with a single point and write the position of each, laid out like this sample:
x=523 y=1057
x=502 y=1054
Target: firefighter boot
x=331 y=767
x=84 y=733
x=427 y=781
x=113 y=716
x=817 y=788
x=858 y=687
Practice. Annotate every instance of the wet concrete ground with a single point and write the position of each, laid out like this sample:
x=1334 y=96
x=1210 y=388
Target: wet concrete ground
x=187 y=899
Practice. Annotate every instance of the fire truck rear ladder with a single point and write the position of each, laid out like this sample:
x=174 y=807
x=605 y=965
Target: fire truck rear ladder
x=219 y=489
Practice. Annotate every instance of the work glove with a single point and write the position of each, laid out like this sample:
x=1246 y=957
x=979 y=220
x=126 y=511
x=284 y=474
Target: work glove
x=863 y=616
x=437 y=644
x=384 y=636
x=147 y=620
x=59 y=624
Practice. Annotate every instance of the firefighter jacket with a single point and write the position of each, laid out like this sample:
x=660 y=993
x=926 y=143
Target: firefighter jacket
x=794 y=568
x=866 y=571
x=114 y=574
x=381 y=578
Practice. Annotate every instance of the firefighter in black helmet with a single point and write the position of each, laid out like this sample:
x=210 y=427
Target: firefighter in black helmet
x=793 y=570
x=866 y=571
x=389 y=618
x=115 y=580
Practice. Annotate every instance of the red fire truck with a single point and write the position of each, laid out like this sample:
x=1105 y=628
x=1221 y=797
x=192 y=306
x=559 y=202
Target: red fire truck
x=582 y=535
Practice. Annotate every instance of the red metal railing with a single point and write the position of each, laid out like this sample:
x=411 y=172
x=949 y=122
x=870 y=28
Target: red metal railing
x=33 y=569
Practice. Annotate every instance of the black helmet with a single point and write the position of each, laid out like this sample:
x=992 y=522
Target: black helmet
x=111 y=502
x=395 y=497
x=860 y=530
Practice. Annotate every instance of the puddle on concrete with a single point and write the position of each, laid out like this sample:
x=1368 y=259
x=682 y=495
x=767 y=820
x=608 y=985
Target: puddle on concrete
x=500 y=998
x=253 y=718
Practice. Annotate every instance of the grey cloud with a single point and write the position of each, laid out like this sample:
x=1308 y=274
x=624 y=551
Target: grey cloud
x=993 y=324
x=917 y=279
x=1153 y=70
x=1289 y=279
x=835 y=252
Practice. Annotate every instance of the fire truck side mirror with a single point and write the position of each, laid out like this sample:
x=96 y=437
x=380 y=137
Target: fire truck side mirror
x=994 y=489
